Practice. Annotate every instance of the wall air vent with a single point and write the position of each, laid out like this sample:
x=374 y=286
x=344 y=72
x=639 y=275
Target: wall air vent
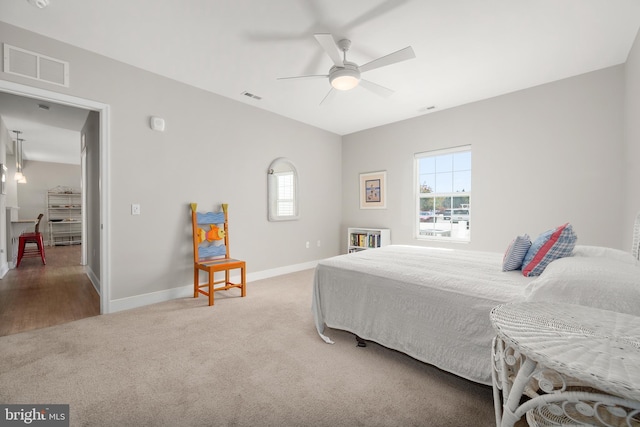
x=250 y=95
x=35 y=66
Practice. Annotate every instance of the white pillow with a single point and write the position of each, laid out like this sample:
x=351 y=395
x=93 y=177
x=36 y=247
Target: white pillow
x=602 y=251
x=599 y=282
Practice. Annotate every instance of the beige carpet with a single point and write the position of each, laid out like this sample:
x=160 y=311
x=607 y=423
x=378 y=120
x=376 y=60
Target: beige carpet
x=254 y=361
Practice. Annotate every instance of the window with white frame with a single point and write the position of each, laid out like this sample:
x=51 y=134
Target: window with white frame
x=443 y=194
x=285 y=191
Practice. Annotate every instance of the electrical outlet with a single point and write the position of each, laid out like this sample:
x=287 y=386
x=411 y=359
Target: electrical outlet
x=307 y=245
x=318 y=244
x=135 y=209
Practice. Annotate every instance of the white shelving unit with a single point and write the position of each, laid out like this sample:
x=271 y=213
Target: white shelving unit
x=64 y=209
x=360 y=239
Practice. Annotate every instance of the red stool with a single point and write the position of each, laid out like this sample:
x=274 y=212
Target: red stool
x=25 y=251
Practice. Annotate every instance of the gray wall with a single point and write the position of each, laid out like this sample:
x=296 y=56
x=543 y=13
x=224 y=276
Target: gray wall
x=541 y=157
x=632 y=140
x=214 y=150
x=91 y=133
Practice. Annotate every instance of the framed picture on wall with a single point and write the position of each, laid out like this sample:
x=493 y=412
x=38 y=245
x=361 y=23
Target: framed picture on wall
x=3 y=179
x=373 y=190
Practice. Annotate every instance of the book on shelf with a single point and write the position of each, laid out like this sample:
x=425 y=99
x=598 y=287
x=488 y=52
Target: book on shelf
x=365 y=240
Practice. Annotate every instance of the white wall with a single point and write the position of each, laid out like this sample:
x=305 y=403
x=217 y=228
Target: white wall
x=42 y=176
x=541 y=157
x=214 y=150
x=632 y=140
x=5 y=140
x=9 y=160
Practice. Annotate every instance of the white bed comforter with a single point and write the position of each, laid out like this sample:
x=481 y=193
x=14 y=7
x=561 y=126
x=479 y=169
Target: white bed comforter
x=430 y=303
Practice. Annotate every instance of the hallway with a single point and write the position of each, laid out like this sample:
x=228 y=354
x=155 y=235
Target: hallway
x=36 y=296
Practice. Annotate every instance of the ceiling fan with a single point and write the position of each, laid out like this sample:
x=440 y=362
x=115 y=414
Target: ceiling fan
x=345 y=75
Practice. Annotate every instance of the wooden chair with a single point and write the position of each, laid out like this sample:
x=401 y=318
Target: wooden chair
x=211 y=253
x=26 y=241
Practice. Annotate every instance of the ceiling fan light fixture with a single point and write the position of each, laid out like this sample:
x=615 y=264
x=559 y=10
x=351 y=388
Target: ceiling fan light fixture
x=344 y=82
x=345 y=75
x=344 y=78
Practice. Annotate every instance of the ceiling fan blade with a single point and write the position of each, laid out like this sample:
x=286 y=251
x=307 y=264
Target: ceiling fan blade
x=376 y=88
x=329 y=45
x=374 y=13
x=312 y=76
x=329 y=96
x=392 y=58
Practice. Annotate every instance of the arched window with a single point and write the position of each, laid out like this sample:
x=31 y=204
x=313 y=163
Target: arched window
x=282 y=184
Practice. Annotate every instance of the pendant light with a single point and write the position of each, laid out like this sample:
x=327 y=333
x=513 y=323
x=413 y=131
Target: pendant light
x=19 y=176
x=23 y=177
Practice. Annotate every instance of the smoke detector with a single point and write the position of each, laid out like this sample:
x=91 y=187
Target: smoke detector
x=40 y=4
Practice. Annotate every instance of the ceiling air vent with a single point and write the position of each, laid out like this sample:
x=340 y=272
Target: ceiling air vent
x=35 y=66
x=250 y=95
x=425 y=109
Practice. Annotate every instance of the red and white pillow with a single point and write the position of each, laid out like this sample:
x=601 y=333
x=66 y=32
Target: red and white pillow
x=549 y=246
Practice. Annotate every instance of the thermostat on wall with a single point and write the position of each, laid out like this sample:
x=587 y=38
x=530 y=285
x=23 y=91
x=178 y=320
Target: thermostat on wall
x=157 y=123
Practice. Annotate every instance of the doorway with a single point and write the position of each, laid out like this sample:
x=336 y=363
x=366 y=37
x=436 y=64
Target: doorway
x=95 y=184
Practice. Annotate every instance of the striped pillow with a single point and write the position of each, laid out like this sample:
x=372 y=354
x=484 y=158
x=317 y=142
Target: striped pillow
x=549 y=246
x=516 y=252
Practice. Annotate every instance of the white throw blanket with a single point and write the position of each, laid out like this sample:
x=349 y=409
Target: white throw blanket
x=430 y=303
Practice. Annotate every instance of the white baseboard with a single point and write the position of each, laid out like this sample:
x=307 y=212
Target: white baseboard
x=150 y=298
x=265 y=274
x=4 y=269
x=187 y=290
x=95 y=281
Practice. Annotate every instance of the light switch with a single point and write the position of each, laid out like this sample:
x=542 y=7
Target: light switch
x=135 y=209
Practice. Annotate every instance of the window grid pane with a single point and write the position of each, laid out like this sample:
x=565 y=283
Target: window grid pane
x=285 y=192
x=444 y=187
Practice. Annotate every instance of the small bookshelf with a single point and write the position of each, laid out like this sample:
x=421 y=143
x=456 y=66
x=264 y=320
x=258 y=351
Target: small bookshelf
x=360 y=239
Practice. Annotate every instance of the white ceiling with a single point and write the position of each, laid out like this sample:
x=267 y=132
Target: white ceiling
x=466 y=50
x=50 y=135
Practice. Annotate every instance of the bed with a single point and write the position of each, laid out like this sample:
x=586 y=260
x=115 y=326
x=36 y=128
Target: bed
x=433 y=303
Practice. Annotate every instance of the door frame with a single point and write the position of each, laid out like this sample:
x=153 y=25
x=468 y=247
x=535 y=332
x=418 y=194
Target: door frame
x=105 y=221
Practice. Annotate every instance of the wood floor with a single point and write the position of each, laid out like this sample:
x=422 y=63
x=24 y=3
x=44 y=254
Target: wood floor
x=35 y=296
